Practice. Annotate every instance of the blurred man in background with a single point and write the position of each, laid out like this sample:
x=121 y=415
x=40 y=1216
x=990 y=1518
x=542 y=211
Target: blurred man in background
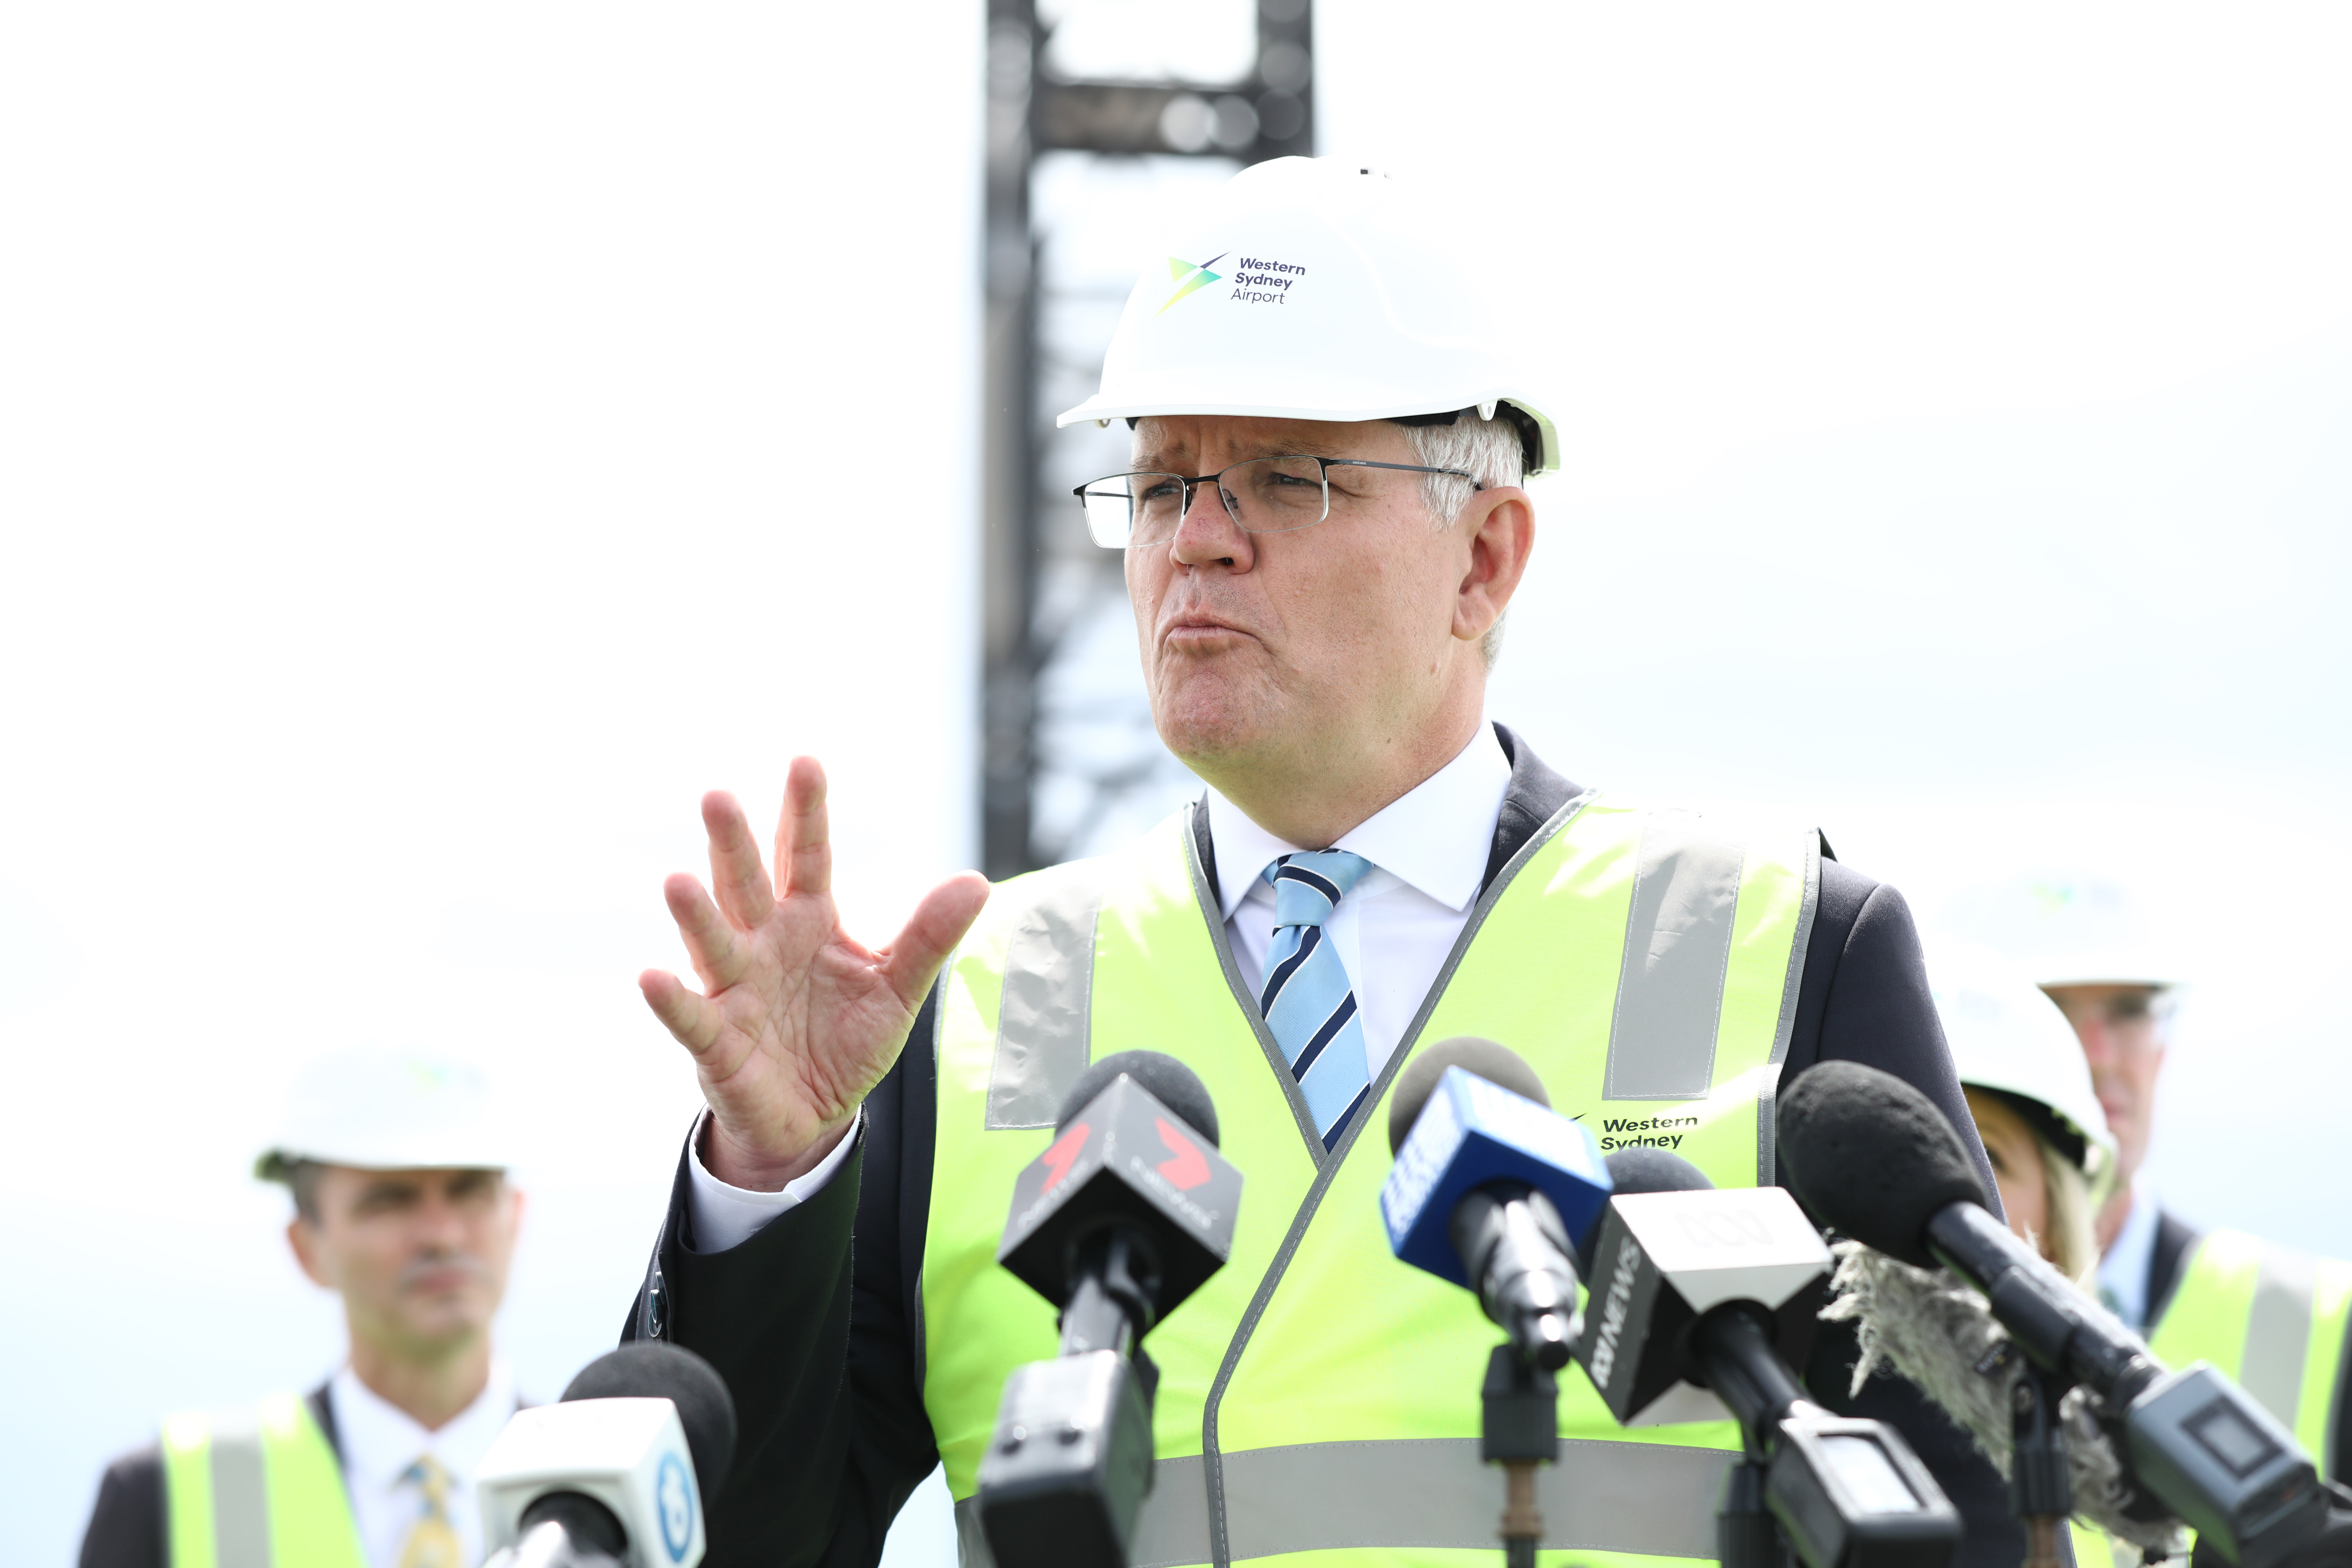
x=2273 y=1318
x=402 y=1207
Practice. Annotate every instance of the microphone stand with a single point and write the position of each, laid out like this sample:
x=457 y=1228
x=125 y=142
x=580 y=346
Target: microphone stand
x=2040 y=1491
x=1760 y=1392
x=1518 y=1429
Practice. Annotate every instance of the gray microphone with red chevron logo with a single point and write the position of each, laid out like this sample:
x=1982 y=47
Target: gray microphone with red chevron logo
x=1126 y=1214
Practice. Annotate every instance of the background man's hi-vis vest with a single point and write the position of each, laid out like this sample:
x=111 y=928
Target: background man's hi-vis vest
x=256 y=1489
x=2272 y=1319
x=1319 y=1400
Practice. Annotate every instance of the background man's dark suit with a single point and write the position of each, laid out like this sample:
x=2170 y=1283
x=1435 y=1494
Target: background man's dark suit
x=830 y=1287
x=126 y=1527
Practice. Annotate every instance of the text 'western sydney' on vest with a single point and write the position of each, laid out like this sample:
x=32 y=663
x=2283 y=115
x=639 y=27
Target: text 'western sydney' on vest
x=1644 y=1132
x=1261 y=282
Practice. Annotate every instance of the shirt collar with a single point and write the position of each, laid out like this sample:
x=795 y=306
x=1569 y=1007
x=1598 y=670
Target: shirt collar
x=380 y=1440
x=1436 y=835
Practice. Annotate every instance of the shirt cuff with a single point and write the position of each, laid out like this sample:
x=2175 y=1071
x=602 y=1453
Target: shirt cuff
x=725 y=1216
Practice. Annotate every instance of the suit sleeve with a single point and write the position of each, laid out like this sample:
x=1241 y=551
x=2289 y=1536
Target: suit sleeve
x=1864 y=998
x=815 y=1326
x=126 y=1527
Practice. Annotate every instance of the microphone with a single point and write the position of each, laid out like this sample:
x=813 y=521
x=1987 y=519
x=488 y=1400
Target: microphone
x=1713 y=1289
x=1124 y=1217
x=1872 y=1158
x=1489 y=1186
x=620 y=1472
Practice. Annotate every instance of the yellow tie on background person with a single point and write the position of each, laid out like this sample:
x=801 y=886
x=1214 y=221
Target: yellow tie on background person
x=432 y=1541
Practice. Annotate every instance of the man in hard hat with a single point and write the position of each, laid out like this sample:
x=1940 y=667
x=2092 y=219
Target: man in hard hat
x=1323 y=525
x=402 y=1207
x=2273 y=1318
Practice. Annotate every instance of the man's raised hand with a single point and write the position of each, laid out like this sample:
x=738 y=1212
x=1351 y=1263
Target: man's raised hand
x=797 y=1021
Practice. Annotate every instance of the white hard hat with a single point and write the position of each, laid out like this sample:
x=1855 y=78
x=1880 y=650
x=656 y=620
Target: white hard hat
x=2008 y=1037
x=2065 y=928
x=1317 y=288
x=390 y=1112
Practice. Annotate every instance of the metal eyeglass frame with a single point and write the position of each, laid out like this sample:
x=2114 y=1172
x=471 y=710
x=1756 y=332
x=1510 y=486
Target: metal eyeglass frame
x=1323 y=472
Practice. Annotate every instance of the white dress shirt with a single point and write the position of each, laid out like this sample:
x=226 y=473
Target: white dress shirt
x=381 y=1441
x=1392 y=931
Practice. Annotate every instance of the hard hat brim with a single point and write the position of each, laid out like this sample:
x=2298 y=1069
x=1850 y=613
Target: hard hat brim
x=1101 y=409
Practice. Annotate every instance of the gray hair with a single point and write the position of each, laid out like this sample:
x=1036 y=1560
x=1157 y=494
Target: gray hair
x=1491 y=449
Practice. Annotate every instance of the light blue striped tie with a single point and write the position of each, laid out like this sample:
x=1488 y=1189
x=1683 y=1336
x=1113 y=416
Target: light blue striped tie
x=1309 y=1006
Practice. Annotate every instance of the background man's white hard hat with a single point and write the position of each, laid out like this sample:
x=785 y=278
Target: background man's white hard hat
x=2007 y=1037
x=1317 y=288
x=2065 y=928
x=390 y=1111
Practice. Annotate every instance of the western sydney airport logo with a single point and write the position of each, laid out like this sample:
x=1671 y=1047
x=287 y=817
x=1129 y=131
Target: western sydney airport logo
x=1255 y=281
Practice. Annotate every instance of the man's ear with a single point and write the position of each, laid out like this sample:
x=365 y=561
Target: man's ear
x=303 y=1237
x=1500 y=526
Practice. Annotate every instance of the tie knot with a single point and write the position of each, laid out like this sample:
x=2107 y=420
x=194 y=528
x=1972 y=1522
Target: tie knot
x=431 y=1478
x=1306 y=886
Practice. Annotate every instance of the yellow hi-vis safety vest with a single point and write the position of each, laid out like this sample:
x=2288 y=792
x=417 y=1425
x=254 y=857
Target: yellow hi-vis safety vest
x=1318 y=1399
x=255 y=1489
x=2272 y=1319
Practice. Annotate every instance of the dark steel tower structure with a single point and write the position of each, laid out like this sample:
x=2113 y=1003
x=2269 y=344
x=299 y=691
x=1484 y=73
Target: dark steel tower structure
x=1268 y=113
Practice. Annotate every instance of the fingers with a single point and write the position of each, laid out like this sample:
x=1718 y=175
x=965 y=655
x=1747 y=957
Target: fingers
x=736 y=874
x=803 y=840
x=691 y=1018
x=719 y=952
x=932 y=933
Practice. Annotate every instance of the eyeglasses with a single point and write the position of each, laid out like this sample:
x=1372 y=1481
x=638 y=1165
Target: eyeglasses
x=1263 y=495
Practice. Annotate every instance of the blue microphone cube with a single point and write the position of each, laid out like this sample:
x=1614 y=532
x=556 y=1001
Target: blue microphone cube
x=1470 y=1134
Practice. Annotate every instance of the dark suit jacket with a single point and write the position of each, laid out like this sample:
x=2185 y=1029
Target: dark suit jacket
x=2174 y=1238
x=814 y=1322
x=127 y=1527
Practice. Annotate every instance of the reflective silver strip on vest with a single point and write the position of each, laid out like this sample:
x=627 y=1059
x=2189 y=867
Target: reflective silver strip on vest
x=1650 y=1498
x=240 y=1493
x=2278 y=1332
x=1043 y=1025
x=1768 y=1128
x=1677 y=950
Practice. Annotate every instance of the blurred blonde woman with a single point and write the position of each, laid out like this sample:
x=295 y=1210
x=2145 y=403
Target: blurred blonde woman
x=2030 y=1091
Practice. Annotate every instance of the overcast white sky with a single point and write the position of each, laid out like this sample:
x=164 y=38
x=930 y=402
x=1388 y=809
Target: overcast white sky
x=435 y=446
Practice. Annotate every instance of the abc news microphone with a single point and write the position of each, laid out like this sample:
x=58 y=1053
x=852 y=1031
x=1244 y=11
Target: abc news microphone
x=1127 y=1212
x=1873 y=1159
x=1698 y=1288
x=619 y=1472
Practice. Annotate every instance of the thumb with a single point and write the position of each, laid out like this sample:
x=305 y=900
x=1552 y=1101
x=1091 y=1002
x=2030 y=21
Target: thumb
x=932 y=933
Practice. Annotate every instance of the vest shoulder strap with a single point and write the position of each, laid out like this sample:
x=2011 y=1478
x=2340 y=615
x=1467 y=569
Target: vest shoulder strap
x=255 y=1489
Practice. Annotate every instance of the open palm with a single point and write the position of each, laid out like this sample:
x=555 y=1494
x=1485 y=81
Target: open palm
x=798 y=1021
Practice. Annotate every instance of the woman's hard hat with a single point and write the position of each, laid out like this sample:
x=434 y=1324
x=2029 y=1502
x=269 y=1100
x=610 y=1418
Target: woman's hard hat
x=2007 y=1037
x=1317 y=288
x=395 y=1112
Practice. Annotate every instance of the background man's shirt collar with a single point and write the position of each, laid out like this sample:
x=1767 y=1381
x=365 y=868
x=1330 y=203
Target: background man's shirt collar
x=380 y=1440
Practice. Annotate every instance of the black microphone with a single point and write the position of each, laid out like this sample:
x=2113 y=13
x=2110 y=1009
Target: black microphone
x=1478 y=1194
x=1125 y=1215
x=1714 y=1290
x=1873 y=1158
x=622 y=1470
